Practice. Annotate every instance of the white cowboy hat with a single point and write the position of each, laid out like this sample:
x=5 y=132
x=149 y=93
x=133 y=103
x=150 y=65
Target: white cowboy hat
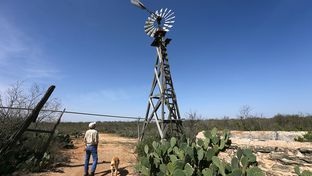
x=92 y=125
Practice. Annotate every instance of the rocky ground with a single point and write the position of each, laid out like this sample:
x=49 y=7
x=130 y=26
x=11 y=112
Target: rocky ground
x=277 y=152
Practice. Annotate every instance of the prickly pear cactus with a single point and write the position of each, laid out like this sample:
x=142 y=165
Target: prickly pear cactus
x=176 y=158
x=303 y=173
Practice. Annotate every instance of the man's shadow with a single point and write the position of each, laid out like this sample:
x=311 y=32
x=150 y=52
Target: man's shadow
x=121 y=172
x=78 y=165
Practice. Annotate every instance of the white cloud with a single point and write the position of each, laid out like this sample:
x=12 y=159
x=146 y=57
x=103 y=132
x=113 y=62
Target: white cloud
x=115 y=95
x=106 y=95
x=12 y=44
x=21 y=57
x=41 y=73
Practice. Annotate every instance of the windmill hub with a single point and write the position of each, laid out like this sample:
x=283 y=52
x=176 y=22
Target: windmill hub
x=160 y=20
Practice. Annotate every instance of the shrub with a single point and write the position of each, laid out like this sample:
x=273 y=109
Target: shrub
x=26 y=154
x=305 y=138
x=64 y=141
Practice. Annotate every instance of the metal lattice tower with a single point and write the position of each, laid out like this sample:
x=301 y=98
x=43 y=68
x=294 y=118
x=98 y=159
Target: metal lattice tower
x=162 y=103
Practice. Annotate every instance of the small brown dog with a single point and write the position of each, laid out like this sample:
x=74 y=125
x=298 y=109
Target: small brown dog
x=114 y=165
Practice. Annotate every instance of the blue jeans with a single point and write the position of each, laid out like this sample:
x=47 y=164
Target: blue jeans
x=91 y=150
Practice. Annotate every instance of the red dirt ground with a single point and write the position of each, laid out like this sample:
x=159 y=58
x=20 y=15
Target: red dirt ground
x=110 y=145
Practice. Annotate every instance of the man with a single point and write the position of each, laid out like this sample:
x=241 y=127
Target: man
x=91 y=140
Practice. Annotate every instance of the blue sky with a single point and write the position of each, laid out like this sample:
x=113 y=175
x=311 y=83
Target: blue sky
x=224 y=54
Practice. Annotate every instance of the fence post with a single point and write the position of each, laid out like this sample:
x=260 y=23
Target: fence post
x=138 y=124
x=46 y=145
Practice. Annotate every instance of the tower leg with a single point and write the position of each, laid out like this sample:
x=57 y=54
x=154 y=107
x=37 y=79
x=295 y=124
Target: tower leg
x=165 y=112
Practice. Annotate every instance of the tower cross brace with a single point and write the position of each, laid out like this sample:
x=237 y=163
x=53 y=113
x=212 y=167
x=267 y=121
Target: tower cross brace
x=162 y=103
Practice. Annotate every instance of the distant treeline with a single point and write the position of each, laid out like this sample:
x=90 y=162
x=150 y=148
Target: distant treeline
x=277 y=123
x=194 y=124
x=129 y=129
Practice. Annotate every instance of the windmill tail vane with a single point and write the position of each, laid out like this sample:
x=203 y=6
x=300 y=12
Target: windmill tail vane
x=138 y=4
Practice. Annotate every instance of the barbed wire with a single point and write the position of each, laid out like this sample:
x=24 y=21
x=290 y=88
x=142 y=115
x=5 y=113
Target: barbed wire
x=78 y=113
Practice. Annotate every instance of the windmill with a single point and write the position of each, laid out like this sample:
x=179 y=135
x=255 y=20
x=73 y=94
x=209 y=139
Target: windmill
x=162 y=106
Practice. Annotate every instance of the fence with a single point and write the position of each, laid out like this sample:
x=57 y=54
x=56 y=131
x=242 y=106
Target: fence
x=137 y=118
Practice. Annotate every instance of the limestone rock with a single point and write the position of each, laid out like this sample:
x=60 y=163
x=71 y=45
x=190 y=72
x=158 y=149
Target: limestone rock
x=277 y=152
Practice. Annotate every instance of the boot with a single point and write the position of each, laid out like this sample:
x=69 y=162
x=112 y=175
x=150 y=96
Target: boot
x=91 y=174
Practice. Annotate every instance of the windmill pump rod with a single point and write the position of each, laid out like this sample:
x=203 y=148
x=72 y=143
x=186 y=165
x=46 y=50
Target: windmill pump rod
x=152 y=13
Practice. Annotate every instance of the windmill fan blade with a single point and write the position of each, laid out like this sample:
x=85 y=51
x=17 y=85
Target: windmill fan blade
x=151 y=19
x=165 y=29
x=167 y=14
x=157 y=13
x=154 y=17
x=167 y=25
x=168 y=19
x=149 y=22
x=169 y=22
x=148 y=25
x=138 y=4
x=164 y=13
x=149 y=28
x=153 y=32
x=150 y=32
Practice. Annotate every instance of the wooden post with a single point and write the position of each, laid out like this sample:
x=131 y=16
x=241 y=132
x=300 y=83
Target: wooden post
x=138 y=124
x=46 y=145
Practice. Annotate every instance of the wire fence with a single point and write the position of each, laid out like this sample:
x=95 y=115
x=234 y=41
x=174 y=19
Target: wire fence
x=79 y=113
x=135 y=118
